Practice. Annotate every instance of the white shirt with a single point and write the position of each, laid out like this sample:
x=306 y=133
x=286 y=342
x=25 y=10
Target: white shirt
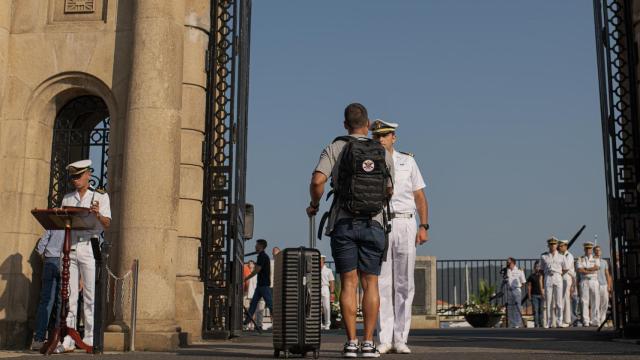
x=570 y=263
x=586 y=263
x=553 y=263
x=104 y=207
x=327 y=276
x=515 y=278
x=407 y=180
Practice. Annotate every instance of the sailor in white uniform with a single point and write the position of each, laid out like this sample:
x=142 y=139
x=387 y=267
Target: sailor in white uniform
x=396 y=283
x=553 y=266
x=568 y=283
x=328 y=288
x=82 y=261
x=605 y=283
x=588 y=266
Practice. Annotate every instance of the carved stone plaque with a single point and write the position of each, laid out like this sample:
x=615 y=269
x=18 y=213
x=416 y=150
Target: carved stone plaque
x=79 y=6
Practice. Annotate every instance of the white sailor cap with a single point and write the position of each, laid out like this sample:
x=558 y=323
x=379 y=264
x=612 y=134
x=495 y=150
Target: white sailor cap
x=322 y=257
x=380 y=127
x=552 y=240
x=79 y=167
x=588 y=245
x=563 y=242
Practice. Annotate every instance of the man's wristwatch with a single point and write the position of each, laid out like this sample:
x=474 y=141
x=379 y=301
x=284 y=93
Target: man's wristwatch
x=425 y=226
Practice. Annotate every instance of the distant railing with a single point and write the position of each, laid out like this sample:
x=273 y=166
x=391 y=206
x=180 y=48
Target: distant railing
x=457 y=280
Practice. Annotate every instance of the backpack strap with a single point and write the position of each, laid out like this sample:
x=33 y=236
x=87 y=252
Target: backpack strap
x=345 y=138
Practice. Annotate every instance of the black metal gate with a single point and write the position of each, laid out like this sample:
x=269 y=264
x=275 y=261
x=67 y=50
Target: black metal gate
x=225 y=162
x=81 y=131
x=617 y=64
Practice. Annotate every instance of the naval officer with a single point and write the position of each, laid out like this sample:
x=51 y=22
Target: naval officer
x=82 y=261
x=396 y=283
x=553 y=266
x=588 y=266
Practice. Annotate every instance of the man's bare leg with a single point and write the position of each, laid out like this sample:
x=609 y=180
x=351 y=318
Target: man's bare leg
x=370 y=303
x=349 y=283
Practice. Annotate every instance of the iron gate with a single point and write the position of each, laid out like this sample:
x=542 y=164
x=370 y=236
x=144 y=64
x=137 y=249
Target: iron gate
x=225 y=167
x=81 y=131
x=617 y=63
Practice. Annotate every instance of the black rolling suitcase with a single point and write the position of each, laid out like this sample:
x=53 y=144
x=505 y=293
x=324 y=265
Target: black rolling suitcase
x=296 y=302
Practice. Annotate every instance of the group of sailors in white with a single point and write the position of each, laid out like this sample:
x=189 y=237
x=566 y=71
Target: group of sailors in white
x=567 y=286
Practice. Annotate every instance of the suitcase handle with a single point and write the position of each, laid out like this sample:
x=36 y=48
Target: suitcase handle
x=312 y=227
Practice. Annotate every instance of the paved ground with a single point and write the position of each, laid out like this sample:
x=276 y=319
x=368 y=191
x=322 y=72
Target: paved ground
x=447 y=344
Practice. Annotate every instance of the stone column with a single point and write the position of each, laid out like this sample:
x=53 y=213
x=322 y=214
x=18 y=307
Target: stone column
x=189 y=288
x=151 y=168
x=5 y=25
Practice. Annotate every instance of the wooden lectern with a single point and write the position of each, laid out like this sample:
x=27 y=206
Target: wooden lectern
x=67 y=219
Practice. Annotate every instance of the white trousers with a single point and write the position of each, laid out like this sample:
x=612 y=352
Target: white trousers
x=514 y=309
x=396 y=284
x=567 y=282
x=553 y=299
x=326 y=306
x=82 y=264
x=604 y=303
x=589 y=295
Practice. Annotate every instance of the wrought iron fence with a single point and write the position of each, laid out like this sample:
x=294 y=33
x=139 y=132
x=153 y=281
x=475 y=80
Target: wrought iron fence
x=458 y=280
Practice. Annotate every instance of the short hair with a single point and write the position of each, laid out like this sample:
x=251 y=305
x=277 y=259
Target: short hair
x=597 y=247
x=511 y=260
x=355 y=116
x=262 y=242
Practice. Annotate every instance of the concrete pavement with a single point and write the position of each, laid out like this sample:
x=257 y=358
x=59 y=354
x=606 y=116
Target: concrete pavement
x=444 y=344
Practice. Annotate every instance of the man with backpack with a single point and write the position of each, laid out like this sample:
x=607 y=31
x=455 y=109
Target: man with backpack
x=361 y=172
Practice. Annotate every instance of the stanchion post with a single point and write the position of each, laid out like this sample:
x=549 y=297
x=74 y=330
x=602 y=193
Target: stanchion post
x=134 y=305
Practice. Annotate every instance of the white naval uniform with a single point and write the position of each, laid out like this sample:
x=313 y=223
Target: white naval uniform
x=326 y=275
x=567 y=282
x=603 y=293
x=552 y=266
x=589 y=291
x=515 y=281
x=83 y=263
x=396 y=283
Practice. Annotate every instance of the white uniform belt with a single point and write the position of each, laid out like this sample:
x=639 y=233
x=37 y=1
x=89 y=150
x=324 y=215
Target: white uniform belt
x=401 y=215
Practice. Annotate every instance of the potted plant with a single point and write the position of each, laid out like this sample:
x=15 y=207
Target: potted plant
x=479 y=312
x=336 y=316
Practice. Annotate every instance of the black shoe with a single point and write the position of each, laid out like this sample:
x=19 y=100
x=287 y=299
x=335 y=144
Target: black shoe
x=369 y=350
x=350 y=350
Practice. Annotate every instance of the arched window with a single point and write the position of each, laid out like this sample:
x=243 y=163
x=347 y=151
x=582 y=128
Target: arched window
x=81 y=131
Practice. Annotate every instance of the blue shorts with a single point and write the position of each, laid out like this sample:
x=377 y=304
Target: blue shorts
x=357 y=244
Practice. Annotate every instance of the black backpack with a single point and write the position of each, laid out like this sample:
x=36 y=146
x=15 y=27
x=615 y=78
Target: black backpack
x=363 y=177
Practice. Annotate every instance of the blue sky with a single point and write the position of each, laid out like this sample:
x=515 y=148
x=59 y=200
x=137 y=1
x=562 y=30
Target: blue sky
x=497 y=99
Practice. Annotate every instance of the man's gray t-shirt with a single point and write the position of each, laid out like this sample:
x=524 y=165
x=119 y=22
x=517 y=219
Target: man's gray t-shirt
x=328 y=165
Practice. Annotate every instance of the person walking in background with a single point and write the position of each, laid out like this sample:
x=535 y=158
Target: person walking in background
x=515 y=282
x=328 y=289
x=358 y=241
x=49 y=248
x=588 y=266
x=553 y=265
x=396 y=281
x=534 y=288
x=250 y=290
x=605 y=283
x=263 y=286
x=568 y=283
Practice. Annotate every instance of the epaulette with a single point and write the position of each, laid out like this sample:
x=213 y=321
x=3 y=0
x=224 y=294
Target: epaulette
x=407 y=153
x=545 y=253
x=100 y=191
